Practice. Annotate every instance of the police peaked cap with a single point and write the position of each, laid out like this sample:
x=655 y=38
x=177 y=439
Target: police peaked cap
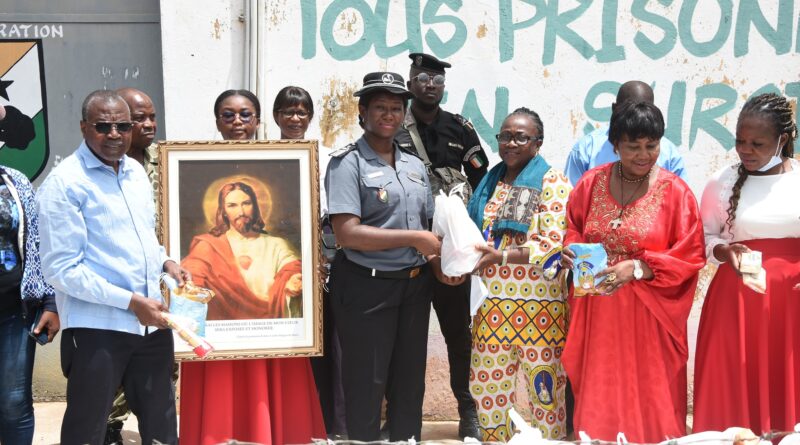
x=428 y=62
x=392 y=83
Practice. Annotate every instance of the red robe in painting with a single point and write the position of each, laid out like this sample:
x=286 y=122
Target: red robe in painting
x=626 y=353
x=269 y=401
x=211 y=262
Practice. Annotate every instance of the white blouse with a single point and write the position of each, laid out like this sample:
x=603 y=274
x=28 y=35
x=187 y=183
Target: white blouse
x=769 y=207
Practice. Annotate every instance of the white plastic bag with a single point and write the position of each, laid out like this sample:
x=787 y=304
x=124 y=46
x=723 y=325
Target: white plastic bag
x=459 y=236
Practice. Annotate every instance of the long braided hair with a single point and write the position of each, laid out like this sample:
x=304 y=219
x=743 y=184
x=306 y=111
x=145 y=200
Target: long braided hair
x=777 y=111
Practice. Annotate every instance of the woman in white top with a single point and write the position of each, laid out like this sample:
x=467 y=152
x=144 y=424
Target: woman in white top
x=747 y=370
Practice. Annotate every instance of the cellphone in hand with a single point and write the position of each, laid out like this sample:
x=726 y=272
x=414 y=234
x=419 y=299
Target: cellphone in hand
x=42 y=337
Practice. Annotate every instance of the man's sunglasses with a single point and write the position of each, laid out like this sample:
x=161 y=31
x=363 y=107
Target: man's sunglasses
x=229 y=116
x=106 y=127
x=424 y=78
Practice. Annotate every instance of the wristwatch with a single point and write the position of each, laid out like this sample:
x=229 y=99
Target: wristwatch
x=638 y=273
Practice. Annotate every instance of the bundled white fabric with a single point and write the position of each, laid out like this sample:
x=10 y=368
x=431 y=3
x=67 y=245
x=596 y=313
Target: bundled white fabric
x=792 y=439
x=459 y=235
x=731 y=436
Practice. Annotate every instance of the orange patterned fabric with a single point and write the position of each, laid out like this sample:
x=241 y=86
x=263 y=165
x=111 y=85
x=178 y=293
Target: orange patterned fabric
x=523 y=321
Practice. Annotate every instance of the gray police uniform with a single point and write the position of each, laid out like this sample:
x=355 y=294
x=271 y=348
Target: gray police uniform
x=381 y=299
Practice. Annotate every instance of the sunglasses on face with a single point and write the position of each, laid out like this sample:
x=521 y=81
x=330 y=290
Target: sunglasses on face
x=520 y=138
x=425 y=78
x=288 y=114
x=229 y=116
x=106 y=127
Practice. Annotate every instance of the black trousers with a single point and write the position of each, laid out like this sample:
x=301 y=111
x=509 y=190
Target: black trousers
x=95 y=363
x=383 y=330
x=451 y=304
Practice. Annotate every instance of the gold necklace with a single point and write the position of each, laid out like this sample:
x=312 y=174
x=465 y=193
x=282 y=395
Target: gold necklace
x=616 y=223
x=631 y=181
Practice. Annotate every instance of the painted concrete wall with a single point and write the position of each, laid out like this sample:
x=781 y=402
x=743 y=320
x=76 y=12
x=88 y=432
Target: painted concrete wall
x=565 y=59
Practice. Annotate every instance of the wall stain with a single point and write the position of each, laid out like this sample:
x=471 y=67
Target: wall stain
x=339 y=110
x=727 y=81
x=482 y=29
x=573 y=120
x=216 y=31
x=347 y=23
x=277 y=13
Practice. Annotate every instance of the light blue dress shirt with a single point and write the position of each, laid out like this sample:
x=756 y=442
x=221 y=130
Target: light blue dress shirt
x=98 y=241
x=594 y=149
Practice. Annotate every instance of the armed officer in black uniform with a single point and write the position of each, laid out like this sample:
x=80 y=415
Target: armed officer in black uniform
x=448 y=145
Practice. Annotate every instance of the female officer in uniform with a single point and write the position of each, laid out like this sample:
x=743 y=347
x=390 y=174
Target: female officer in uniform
x=380 y=202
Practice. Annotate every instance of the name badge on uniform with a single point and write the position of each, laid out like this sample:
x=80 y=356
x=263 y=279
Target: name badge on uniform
x=383 y=195
x=455 y=145
x=376 y=174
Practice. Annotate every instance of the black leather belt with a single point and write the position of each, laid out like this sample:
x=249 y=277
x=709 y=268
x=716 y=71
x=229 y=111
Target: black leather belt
x=402 y=274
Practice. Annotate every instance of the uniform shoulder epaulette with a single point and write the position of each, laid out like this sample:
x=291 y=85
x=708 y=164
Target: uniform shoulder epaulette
x=407 y=148
x=464 y=122
x=344 y=150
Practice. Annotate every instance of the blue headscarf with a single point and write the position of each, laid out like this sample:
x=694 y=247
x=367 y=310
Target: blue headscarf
x=516 y=213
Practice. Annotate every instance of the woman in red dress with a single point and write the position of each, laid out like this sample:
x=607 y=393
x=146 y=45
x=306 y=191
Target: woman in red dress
x=627 y=348
x=268 y=401
x=747 y=370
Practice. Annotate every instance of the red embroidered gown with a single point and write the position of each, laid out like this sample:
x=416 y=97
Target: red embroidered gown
x=626 y=353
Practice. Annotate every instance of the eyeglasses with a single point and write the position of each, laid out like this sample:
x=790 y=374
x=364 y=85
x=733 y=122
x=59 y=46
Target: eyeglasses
x=229 y=116
x=106 y=127
x=288 y=114
x=520 y=138
x=424 y=78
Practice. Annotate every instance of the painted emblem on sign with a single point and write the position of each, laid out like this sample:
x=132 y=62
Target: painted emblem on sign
x=387 y=78
x=24 y=143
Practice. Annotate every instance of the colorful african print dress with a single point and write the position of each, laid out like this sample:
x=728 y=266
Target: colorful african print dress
x=522 y=322
x=626 y=352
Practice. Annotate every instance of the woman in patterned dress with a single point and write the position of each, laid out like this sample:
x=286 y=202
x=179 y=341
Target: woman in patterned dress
x=627 y=347
x=520 y=208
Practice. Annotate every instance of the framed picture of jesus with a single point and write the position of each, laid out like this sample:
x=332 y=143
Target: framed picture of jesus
x=243 y=218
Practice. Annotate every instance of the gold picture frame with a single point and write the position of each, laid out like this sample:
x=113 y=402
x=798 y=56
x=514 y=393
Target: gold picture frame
x=203 y=187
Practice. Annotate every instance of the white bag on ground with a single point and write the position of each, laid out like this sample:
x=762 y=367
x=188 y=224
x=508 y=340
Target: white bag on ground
x=459 y=236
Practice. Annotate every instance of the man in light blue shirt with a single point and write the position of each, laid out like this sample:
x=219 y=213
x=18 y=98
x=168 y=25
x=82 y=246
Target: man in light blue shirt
x=594 y=149
x=99 y=251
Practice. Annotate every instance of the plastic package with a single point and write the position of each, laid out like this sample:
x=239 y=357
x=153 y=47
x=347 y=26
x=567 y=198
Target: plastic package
x=189 y=301
x=178 y=324
x=750 y=262
x=590 y=259
x=459 y=235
